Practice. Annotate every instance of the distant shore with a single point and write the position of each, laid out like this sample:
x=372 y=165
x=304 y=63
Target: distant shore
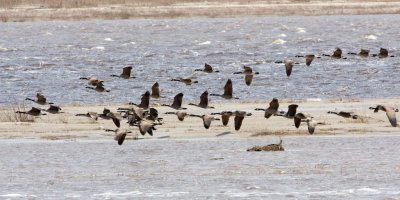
x=39 y=12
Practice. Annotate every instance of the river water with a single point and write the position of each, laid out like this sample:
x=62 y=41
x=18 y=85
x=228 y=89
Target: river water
x=343 y=167
x=49 y=57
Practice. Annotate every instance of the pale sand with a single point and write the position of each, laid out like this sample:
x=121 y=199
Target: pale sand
x=204 y=9
x=69 y=126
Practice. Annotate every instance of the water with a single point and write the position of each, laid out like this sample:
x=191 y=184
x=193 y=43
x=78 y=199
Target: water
x=339 y=167
x=49 y=57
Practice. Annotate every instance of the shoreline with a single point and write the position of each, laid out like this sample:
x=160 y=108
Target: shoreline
x=187 y=10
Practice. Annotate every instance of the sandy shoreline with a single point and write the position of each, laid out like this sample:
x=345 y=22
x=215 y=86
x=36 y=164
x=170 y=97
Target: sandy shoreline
x=210 y=9
x=67 y=126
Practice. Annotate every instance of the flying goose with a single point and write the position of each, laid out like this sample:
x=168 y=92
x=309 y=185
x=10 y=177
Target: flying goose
x=336 y=54
x=120 y=135
x=203 y=101
x=292 y=109
x=92 y=115
x=270 y=147
x=207 y=119
x=115 y=117
x=92 y=80
x=246 y=70
x=225 y=115
x=180 y=114
x=146 y=126
x=145 y=101
x=363 y=53
x=187 y=80
x=177 y=103
x=155 y=91
x=207 y=68
x=99 y=87
x=40 y=99
x=311 y=123
x=383 y=53
x=53 y=109
x=272 y=109
x=390 y=113
x=344 y=114
x=33 y=111
x=239 y=116
x=126 y=73
x=228 y=91
x=309 y=59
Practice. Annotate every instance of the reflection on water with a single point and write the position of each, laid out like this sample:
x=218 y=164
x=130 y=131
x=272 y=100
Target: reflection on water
x=50 y=57
x=339 y=167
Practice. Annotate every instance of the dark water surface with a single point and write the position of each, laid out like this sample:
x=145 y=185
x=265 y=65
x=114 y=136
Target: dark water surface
x=49 y=57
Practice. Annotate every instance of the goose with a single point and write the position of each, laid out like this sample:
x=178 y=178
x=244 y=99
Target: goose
x=383 y=53
x=54 y=109
x=99 y=87
x=92 y=80
x=92 y=115
x=292 y=109
x=177 y=103
x=120 y=135
x=363 y=53
x=270 y=147
x=309 y=59
x=344 y=114
x=207 y=68
x=390 y=113
x=272 y=109
x=145 y=101
x=153 y=115
x=246 y=70
x=146 y=126
x=126 y=73
x=40 y=99
x=228 y=91
x=207 y=119
x=248 y=74
x=180 y=114
x=225 y=115
x=239 y=116
x=133 y=114
x=155 y=91
x=203 y=101
x=336 y=54
x=311 y=123
x=115 y=117
x=33 y=111
x=187 y=80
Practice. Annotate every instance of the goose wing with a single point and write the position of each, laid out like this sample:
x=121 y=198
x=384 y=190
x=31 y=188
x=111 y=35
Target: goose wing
x=177 y=101
x=228 y=89
x=288 y=66
x=391 y=114
x=155 y=90
x=309 y=59
x=204 y=100
x=248 y=78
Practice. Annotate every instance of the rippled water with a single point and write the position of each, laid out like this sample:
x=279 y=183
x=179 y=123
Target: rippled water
x=49 y=57
x=342 y=167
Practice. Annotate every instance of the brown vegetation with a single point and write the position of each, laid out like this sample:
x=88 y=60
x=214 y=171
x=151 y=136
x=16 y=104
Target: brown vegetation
x=30 y=10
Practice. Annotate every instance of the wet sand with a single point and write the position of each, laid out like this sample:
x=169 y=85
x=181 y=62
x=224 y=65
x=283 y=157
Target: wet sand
x=67 y=126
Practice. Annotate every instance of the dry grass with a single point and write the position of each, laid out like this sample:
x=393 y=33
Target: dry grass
x=24 y=10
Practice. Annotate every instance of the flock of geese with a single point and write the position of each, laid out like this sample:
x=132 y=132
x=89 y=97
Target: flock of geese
x=146 y=118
